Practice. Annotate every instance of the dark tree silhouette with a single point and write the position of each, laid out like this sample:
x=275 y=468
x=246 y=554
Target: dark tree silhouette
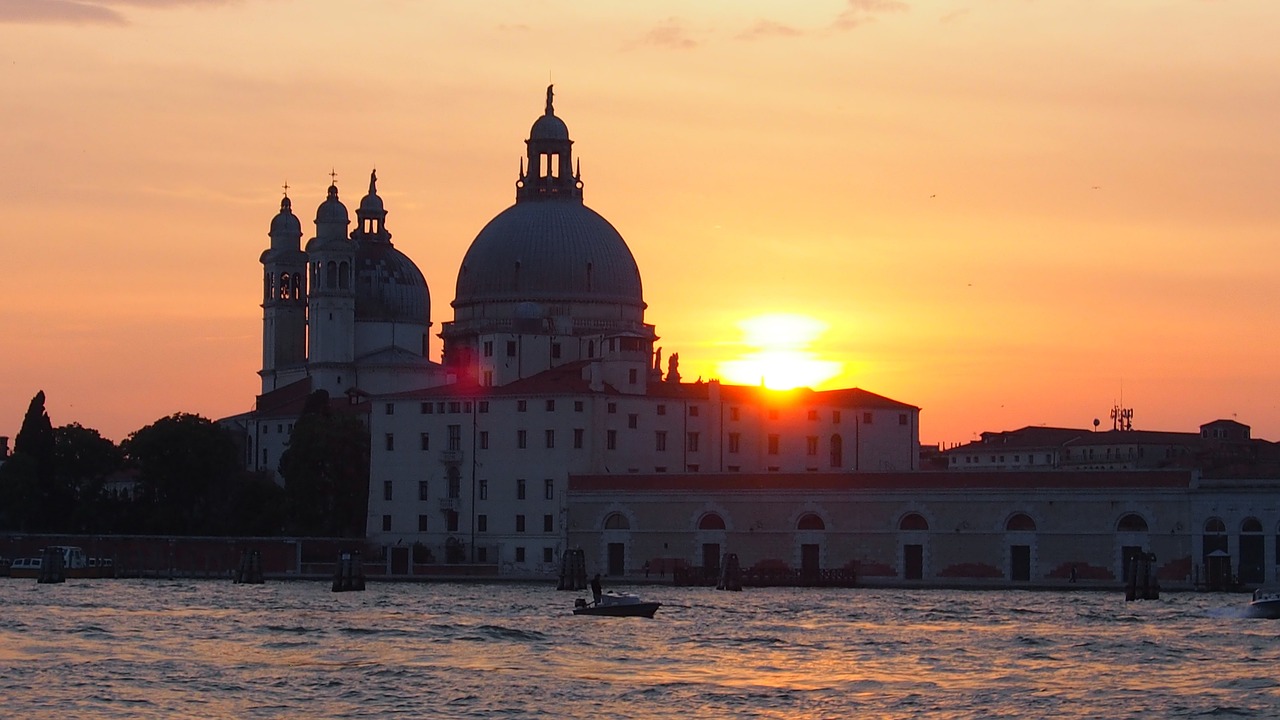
x=186 y=464
x=83 y=462
x=326 y=471
x=28 y=498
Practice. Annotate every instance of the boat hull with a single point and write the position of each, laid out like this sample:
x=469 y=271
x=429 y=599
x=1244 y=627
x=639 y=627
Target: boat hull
x=640 y=609
x=1265 y=609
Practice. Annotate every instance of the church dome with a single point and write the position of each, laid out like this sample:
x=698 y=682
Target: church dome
x=549 y=127
x=549 y=251
x=285 y=223
x=332 y=210
x=389 y=286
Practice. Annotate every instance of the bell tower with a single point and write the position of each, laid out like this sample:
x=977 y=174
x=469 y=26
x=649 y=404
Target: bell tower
x=331 y=316
x=284 y=301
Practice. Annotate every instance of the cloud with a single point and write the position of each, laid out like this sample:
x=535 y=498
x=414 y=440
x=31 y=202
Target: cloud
x=669 y=34
x=955 y=16
x=769 y=29
x=861 y=12
x=82 y=12
x=64 y=12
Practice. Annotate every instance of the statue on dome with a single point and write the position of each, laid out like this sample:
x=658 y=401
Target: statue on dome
x=673 y=368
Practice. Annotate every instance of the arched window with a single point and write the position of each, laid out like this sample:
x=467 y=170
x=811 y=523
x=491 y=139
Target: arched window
x=284 y=286
x=1251 y=525
x=1132 y=522
x=1214 y=526
x=269 y=286
x=331 y=275
x=711 y=521
x=913 y=521
x=837 y=451
x=810 y=521
x=297 y=286
x=616 y=521
x=1020 y=522
x=344 y=276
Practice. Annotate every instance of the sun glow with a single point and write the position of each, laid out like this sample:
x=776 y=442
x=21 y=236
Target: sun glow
x=780 y=357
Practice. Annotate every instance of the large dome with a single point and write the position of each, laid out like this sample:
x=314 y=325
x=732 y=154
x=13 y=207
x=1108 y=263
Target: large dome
x=389 y=286
x=549 y=251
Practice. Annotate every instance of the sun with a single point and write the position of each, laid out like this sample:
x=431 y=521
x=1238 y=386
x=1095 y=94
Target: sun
x=779 y=355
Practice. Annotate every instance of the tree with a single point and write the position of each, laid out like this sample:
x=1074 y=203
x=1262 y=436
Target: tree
x=83 y=462
x=28 y=498
x=185 y=465
x=326 y=471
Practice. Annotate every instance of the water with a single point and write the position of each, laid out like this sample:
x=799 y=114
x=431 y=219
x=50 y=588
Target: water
x=157 y=649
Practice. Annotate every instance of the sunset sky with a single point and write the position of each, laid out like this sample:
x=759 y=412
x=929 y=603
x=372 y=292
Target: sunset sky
x=1005 y=212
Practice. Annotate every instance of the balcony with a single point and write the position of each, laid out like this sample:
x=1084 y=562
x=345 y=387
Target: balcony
x=451 y=457
x=447 y=504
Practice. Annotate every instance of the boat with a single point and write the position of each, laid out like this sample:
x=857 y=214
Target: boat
x=617 y=605
x=75 y=564
x=1265 y=603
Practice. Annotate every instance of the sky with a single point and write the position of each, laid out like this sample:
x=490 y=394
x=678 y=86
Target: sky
x=1004 y=212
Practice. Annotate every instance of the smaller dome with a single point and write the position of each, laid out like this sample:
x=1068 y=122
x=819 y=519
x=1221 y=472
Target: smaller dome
x=371 y=204
x=285 y=222
x=332 y=210
x=549 y=127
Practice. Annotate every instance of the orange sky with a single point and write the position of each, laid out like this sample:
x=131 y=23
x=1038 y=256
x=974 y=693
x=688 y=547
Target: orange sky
x=1005 y=212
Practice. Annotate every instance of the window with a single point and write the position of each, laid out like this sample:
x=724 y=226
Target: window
x=519 y=554
x=813 y=414
x=866 y=418
x=711 y=521
x=578 y=434
x=633 y=420
x=902 y=418
x=810 y=521
x=548 y=555
x=555 y=351
x=391 y=408
x=773 y=444
x=735 y=442
x=391 y=441
x=386 y=489
x=422 y=523
x=577 y=406
x=422 y=490
x=451 y=521
x=488 y=378
x=660 y=440
x=551 y=406
x=835 y=417
x=837 y=451
x=548 y=524
x=549 y=488
x=522 y=405
x=455 y=437
x=386 y=523
x=693 y=411
x=811 y=445
x=610 y=441
x=484 y=489
x=511 y=348
x=551 y=439
x=488 y=348
x=520 y=489
x=521 y=439
x=662 y=409
x=484 y=439
x=426 y=408
x=425 y=440
x=733 y=413
x=691 y=442
x=440 y=407
x=632 y=375
x=519 y=523
x=455 y=407
x=613 y=408
x=482 y=523
x=483 y=405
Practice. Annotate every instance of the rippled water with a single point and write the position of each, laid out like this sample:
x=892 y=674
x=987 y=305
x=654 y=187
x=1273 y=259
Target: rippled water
x=157 y=649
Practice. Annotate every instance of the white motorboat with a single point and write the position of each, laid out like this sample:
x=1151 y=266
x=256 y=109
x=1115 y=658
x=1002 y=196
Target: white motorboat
x=1265 y=603
x=617 y=605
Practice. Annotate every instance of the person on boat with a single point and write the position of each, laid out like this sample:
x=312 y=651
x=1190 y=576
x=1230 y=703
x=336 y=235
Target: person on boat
x=595 y=588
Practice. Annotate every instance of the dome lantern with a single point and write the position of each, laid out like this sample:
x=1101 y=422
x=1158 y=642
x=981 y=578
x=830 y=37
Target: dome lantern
x=550 y=160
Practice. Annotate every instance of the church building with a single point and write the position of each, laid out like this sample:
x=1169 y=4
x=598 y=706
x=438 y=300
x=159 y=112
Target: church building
x=548 y=370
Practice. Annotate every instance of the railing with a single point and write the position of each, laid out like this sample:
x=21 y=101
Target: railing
x=451 y=457
x=447 y=504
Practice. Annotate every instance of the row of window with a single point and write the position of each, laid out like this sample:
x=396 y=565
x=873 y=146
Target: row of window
x=1018 y=522
x=521 y=490
x=773 y=442
x=464 y=406
x=482 y=523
